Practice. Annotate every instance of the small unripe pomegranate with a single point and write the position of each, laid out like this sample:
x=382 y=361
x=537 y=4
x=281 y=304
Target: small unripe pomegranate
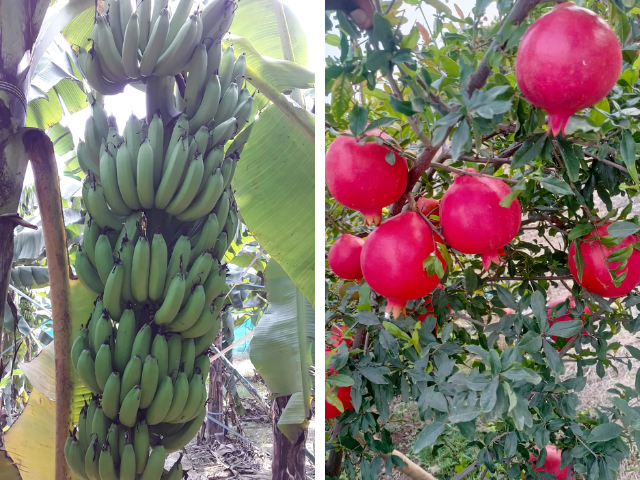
x=359 y=176
x=551 y=463
x=472 y=220
x=338 y=336
x=568 y=59
x=344 y=257
x=595 y=274
x=392 y=260
x=566 y=316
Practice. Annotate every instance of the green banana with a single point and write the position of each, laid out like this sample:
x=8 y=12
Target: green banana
x=103 y=331
x=100 y=119
x=180 y=254
x=175 y=442
x=201 y=205
x=83 y=435
x=133 y=133
x=156 y=42
x=91 y=460
x=224 y=131
x=222 y=208
x=126 y=179
x=146 y=170
x=131 y=230
x=201 y=138
x=175 y=473
x=149 y=381
x=100 y=212
x=199 y=272
x=180 y=15
x=211 y=163
x=123 y=434
x=113 y=140
x=130 y=406
x=103 y=364
x=86 y=159
x=109 y=180
x=145 y=23
x=180 y=394
x=160 y=351
x=100 y=425
x=111 y=396
x=174 y=349
x=207 y=239
x=87 y=372
x=240 y=67
x=242 y=112
x=191 y=311
x=125 y=339
x=205 y=341
x=92 y=142
x=227 y=104
x=130 y=47
x=113 y=12
x=180 y=103
x=113 y=291
x=204 y=365
x=140 y=272
x=180 y=129
x=110 y=58
x=128 y=460
x=92 y=70
x=161 y=402
x=75 y=457
x=193 y=404
x=227 y=63
x=209 y=104
x=90 y=237
x=173 y=60
x=142 y=343
x=227 y=167
x=188 y=356
x=172 y=302
x=104 y=257
x=189 y=188
x=112 y=440
x=156 y=140
x=80 y=344
x=171 y=177
x=214 y=55
x=91 y=411
x=141 y=445
x=93 y=323
x=155 y=464
x=158 y=6
x=158 y=267
x=215 y=284
x=131 y=377
x=221 y=245
x=106 y=464
x=126 y=253
x=163 y=429
x=208 y=317
x=87 y=275
x=196 y=80
x=242 y=96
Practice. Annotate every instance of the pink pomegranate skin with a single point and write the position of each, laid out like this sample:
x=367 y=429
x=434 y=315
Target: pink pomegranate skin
x=359 y=177
x=568 y=59
x=595 y=275
x=392 y=260
x=551 y=463
x=472 y=220
x=344 y=257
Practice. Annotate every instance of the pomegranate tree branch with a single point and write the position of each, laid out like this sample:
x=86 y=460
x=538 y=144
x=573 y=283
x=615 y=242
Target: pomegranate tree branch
x=473 y=174
x=40 y=151
x=519 y=279
x=412 y=121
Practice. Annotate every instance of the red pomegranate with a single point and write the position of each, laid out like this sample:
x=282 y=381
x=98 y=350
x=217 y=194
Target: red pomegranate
x=473 y=221
x=359 y=176
x=551 y=463
x=569 y=59
x=344 y=394
x=595 y=275
x=429 y=206
x=338 y=336
x=566 y=316
x=392 y=260
x=344 y=257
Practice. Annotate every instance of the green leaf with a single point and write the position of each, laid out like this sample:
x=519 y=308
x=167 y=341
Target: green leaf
x=622 y=229
x=514 y=193
x=383 y=30
x=555 y=185
x=411 y=41
x=395 y=330
x=439 y=6
x=529 y=151
x=530 y=342
x=635 y=353
x=451 y=68
x=461 y=140
x=506 y=297
x=280 y=222
x=579 y=260
x=597 y=117
x=511 y=445
x=538 y=307
x=518 y=373
x=358 y=120
x=470 y=279
x=444 y=251
x=605 y=432
x=390 y=157
x=428 y=436
x=565 y=329
x=381 y=123
x=340 y=380
x=489 y=395
x=404 y=108
x=580 y=230
x=375 y=374
x=571 y=162
x=437 y=401
x=621 y=254
x=463 y=414
x=281 y=340
x=628 y=153
x=340 y=96
x=553 y=358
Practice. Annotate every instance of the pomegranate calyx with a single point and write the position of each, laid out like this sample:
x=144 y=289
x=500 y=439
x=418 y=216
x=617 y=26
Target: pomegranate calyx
x=395 y=308
x=492 y=257
x=558 y=123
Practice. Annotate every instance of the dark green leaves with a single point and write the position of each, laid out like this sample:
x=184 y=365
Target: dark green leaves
x=390 y=157
x=605 y=432
x=539 y=309
x=622 y=229
x=375 y=374
x=404 y=108
x=506 y=297
x=565 y=329
x=553 y=358
x=570 y=156
x=428 y=435
x=470 y=279
x=358 y=119
x=489 y=395
x=461 y=140
x=579 y=260
x=555 y=185
x=628 y=154
x=518 y=373
x=433 y=266
x=529 y=151
x=380 y=123
x=580 y=230
x=516 y=191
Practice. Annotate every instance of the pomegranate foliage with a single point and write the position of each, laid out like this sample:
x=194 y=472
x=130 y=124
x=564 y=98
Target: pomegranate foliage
x=503 y=276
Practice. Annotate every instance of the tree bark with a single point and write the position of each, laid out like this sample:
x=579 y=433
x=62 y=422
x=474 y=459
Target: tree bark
x=288 y=458
x=333 y=465
x=216 y=400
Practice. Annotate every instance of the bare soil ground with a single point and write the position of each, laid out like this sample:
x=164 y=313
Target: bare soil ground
x=237 y=458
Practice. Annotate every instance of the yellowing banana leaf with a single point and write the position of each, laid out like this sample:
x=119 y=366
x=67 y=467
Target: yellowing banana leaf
x=282 y=340
x=274 y=184
x=256 y=20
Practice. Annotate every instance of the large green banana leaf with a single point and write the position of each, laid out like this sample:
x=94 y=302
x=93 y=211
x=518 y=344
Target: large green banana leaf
x=285 y=336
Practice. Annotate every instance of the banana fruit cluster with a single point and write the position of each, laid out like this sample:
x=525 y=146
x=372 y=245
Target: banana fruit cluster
x=129 y=44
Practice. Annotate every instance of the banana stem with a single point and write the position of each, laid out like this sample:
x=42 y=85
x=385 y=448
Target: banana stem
x=40 y=150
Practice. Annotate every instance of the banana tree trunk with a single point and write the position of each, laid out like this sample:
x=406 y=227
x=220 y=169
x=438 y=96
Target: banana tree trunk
x=216 y=400
x=288 y=458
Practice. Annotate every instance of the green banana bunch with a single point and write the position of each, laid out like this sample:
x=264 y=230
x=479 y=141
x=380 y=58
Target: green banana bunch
x=75 y=456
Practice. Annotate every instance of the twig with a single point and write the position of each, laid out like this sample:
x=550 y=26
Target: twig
x=517 y=279
x=467 y=471
x=468 y=319
x=473 y=174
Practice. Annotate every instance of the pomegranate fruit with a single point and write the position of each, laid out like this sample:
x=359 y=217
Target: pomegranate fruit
x=344 y=257
x=344 y=394
x=568 y=59
x=392 y=260
x=551 y=463
x=429 y=206
x=567 y=316
x=473 y=221
x=359 y=176
x=595 y=274
x=338 y=336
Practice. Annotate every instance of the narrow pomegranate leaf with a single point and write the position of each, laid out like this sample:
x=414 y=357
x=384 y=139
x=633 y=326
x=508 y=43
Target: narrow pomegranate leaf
x=571 y=162
x=428 y=436
x=506 y=297
x=515 y=192
x=620 y=255
x=579 y=261
x=410 y=41
x=395 y=330
x=605 y=432
x=529 y=151
x=380 y=123
x=622 y=229
x=404 y=108
x=340 y=96
x=424 y=33
x=358 y=119
x=458 y=11
x=554 y=360
x=555 y=185
x=628 y=153
x=597 y=114
x=461 y=140
x=470 y=279
x=565 y=329
x=580 y=230
x=442 y=248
